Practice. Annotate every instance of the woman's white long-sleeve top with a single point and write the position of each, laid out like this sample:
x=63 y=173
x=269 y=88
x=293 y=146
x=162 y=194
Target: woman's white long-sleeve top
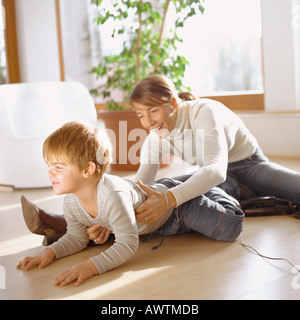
x=207 y=134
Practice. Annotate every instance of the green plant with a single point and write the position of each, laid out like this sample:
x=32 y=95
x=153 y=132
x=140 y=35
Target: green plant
x=150 y=48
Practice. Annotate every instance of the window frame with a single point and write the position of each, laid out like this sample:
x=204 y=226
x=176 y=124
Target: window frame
x=59 y=40
x=237 y=101
x=11 y=43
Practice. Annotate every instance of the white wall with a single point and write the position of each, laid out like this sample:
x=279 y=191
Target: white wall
x=37 y=40
x=278 y=129
x=277 y=134
x=281 y=24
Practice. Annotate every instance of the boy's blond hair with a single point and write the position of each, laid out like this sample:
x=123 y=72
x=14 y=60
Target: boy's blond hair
x=78 y=144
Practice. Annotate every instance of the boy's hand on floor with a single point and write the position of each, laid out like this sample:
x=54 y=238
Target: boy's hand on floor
x=41 y=260
x=78 y=273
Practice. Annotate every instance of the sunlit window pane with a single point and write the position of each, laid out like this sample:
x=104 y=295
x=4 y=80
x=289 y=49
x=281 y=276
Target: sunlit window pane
x=223 y=47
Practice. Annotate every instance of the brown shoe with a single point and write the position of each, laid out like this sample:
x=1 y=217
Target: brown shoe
x=41 y=222
x=245 y=192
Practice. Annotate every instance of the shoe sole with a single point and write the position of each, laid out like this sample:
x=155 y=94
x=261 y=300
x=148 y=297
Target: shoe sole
x=31 y=218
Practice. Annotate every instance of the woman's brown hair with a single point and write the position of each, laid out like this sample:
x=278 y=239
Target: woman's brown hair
x=157 y=90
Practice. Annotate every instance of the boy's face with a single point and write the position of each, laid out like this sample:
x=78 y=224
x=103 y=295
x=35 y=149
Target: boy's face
x=64 y=176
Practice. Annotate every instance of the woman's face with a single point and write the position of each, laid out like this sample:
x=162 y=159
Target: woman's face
x=158 y=119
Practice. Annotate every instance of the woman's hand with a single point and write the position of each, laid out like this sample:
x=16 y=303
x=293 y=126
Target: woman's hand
x=78 y=273
x=154 y=206
x=98 y=234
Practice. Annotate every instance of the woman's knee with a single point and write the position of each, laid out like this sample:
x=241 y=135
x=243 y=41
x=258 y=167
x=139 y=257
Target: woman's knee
x=212 y=219
x=229 y=228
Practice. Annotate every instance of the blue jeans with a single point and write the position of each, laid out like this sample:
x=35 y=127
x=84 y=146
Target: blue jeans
x=214 y=214
x=266 y=178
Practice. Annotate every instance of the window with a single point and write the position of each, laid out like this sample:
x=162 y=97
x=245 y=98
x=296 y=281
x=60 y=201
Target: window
x=224 y=53
x=81 y=41
x=223 y=47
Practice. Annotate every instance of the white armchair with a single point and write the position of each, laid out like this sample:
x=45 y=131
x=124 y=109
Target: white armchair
x=29 y=112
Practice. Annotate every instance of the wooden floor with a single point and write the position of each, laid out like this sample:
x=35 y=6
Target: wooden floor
x=185 y=267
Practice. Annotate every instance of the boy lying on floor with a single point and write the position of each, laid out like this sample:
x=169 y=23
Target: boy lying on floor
x=78 y=160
